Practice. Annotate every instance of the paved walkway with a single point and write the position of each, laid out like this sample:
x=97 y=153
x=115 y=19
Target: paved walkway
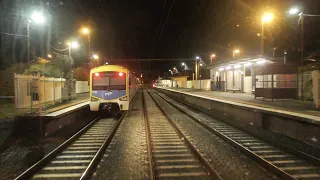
x=297 y=106
x=81 y=98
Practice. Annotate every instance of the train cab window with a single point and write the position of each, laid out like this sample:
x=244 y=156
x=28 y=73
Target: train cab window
x=108 y=81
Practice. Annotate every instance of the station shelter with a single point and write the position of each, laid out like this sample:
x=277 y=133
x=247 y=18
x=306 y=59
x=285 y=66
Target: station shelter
x=179 y=81
x=258 y=76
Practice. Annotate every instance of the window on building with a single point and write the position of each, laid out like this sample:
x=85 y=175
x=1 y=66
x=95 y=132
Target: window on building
x=279 y=81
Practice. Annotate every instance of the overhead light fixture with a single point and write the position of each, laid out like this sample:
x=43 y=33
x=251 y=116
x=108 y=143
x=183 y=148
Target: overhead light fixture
x=237 y=66
x=221 y=69
x=229 y=67
x=261 y=61
x=247 y=64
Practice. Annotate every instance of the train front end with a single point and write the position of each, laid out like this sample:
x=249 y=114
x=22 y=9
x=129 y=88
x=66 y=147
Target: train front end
x=109 y=89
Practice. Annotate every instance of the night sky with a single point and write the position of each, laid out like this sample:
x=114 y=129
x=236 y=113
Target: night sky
x=133 y=29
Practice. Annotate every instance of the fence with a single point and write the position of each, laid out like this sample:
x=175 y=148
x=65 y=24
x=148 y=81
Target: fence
x=30 y=91
x=82 y=87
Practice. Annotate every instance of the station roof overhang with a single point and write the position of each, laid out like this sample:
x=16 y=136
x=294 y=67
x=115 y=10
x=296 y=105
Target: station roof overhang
x=240 y=62
x=178 y=77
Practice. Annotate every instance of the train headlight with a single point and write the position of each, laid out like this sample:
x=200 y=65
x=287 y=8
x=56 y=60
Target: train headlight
x=124 y=98
x=94 y=99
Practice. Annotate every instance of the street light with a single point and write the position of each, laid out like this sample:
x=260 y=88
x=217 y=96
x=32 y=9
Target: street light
x=72 y=45
x=38 y=18
x=266 y=18
x=212 y=57
x=234 y=52
x=95 y=56
x=183 y=64
x=293 y=11
x=86 y=31
x=49 y=56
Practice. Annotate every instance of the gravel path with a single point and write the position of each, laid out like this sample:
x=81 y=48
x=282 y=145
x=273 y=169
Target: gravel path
x=12 y=160
x=229 y=162
x=126 y=157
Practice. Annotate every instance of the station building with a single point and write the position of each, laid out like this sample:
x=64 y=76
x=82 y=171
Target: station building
x=259 y=76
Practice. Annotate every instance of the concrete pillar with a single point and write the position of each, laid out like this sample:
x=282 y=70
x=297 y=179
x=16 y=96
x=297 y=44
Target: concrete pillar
x=316 y=88
x=253 y=75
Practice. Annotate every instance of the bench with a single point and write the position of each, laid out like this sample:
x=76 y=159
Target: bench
x=233 y=89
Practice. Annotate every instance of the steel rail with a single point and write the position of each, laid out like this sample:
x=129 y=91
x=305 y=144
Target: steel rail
x=95 y=161
x=198 y=155
x=148 y=138
x=45 y=160
x=251 y=154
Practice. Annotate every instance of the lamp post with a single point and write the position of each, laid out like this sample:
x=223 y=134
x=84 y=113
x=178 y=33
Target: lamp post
x=266 y=18
x=72 y=45
x=86 y=31
x=38 y=18
x=96 y=57
x=196 y=67
x=234 y=52
x=301 y=14
x=212 y=57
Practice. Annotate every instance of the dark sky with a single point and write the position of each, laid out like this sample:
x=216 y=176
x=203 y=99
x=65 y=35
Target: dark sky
x=174 y=28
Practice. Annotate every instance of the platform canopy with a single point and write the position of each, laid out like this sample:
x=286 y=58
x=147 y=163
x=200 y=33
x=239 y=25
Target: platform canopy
x=239 y=62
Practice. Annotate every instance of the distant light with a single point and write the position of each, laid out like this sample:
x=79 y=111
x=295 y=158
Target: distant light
x=261 y=62
x=236 y=51
x=258 y=34
x=49 y=56
x=201 y=64
x=120 y=74
x=95 y=56
x=294 y=11
x=241 y=72
x=237 y=66
x=183 y=64
x=85 y=30
x=238 y=25
x=197 y=57
x=221 y=69
x=96 y=74
x=141 y=75
x=217 y=73
x=37 y=17
x=267 y=17
x=73 y=44
x=108 y=63
x=247 y=64
x=229 y=67
x=213 y=55
x=175 y=68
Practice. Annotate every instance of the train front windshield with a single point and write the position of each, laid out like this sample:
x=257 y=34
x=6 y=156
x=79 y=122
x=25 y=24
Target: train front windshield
x=109 y=81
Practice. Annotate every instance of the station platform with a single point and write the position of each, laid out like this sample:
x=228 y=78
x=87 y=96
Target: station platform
x=80 y=101
x=286 y=106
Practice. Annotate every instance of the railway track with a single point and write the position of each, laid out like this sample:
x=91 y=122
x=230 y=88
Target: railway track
x=287 y=165
x=78 y=157
x=171 y=155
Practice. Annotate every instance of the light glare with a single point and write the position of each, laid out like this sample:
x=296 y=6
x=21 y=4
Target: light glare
x=247 y=64
x=237 y=66
x=221 y=69
x=294 y=11
x=229 y=67
x=37 y=17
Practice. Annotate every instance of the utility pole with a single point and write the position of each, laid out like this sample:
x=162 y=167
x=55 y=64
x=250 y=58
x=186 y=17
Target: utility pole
x=28 y=40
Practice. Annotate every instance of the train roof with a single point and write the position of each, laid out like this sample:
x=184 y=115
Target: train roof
x=109 y=68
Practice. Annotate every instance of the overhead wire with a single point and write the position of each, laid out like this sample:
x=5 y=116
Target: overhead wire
x=166 y=20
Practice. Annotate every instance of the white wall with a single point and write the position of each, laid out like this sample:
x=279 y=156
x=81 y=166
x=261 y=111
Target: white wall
x=82 y=87
x=205 y=84
x=248 y=84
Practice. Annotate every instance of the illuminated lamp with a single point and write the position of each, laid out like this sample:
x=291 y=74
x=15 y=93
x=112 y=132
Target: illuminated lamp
x=96 y=74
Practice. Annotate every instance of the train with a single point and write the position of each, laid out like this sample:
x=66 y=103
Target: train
x=112 y=88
